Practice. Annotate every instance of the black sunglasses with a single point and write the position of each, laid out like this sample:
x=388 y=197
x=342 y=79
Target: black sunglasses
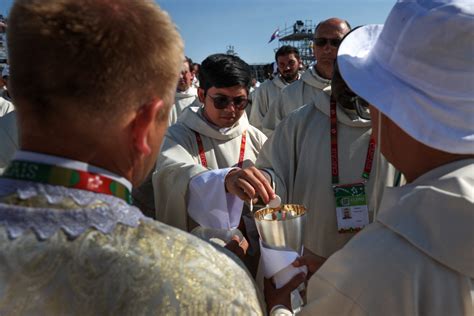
x=221 y=102
x=322 y=41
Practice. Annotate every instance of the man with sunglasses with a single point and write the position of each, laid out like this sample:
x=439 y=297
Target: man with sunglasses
x=327 y=36
x=210 y=146
x=288 y=62
x=321 y=151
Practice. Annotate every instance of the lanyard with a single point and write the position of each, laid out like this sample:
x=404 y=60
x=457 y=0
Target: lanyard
x=202 y=154
x=334 y=152
x=70 y=178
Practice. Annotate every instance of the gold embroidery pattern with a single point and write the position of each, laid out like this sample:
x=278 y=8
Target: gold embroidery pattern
x=151 y=269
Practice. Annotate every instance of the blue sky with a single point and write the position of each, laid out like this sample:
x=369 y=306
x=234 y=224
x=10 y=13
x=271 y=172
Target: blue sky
x=209 y=26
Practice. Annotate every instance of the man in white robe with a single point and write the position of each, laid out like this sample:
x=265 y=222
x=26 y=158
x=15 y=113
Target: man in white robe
x=288 y=61
x=209 y=142
x=417 y=259
x=186 y=93
x=70 y=242
x=327 y=36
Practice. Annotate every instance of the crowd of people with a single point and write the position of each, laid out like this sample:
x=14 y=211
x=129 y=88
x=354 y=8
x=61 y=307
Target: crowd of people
x=141 y=200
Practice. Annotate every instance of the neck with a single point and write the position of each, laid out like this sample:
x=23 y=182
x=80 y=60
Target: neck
x=418 y=167
x=289 y=81
x=324 y=72
x=101 y=150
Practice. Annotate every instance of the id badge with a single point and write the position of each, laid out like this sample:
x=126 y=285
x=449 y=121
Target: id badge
x=351 y=207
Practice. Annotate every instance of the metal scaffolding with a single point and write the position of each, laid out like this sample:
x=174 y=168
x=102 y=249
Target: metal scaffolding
x=299 y=35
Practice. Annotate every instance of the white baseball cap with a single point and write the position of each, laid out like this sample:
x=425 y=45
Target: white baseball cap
x=418 y=69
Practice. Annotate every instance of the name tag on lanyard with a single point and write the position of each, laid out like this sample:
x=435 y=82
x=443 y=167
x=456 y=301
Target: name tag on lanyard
x=351 y=207
x=352 y=211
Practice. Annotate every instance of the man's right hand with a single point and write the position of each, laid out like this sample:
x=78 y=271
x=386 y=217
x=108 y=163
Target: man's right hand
x=249 y=183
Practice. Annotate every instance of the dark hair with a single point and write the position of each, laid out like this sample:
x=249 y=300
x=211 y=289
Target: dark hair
x=223 y=71
x=287 y=50
x=322 y=22
x=190 y=63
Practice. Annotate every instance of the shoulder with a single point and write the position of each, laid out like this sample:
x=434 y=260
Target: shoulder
x=375 y=260
x=300 y=116
x=180 y=133
x=256 y=134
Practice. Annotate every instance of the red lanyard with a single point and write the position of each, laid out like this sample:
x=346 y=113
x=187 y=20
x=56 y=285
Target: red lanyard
x=334 y=152
x=202 y=154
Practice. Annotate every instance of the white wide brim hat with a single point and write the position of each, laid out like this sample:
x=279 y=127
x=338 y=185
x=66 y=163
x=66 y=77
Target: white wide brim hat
x=418 y=70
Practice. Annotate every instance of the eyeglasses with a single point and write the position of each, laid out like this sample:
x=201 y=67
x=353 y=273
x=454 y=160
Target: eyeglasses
x=322 y=41
x=362 y=107
x=221 y=102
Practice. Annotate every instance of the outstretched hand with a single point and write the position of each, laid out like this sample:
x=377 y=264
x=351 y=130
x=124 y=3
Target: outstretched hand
x=249 y=183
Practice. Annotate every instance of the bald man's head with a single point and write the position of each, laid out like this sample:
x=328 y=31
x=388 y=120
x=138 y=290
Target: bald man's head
x=327 y=37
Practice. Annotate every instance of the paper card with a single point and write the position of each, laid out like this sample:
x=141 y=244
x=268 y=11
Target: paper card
x=351 y=207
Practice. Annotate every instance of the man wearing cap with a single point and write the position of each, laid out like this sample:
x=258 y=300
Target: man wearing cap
x=417 y=258
x=288 y=62
x=327 y=36
x=70 y=242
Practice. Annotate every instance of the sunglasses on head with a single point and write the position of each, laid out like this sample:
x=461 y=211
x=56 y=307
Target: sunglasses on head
x=221 y=102
x=322 y=41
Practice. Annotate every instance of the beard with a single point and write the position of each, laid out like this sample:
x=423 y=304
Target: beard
x=290 y=76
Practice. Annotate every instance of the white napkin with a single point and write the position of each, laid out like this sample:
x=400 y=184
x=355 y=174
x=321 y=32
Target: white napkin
x=209 y=205
x=278 y=264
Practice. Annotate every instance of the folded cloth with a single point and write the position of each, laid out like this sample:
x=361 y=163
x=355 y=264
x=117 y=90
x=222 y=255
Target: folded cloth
x=278 y=264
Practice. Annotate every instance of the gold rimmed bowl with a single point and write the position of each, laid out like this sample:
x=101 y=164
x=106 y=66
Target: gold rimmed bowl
x=282 y=227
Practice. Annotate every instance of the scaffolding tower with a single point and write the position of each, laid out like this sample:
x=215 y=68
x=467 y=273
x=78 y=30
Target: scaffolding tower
x=299 y=35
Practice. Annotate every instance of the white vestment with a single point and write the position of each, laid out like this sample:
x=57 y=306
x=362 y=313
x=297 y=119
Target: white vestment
x=182 y=100
x=265 y=95
x=292 y=97
x=299 y=160
x=179 y=162
x=416 y=259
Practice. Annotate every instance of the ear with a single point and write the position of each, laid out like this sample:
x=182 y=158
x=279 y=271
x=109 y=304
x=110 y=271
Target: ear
x=201 y=95
x=144 y=123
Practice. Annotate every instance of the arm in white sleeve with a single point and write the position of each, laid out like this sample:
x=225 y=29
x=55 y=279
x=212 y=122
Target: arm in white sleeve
x=209 y=204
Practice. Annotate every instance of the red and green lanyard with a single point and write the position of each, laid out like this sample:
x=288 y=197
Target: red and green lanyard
x=70 y=178
x=334 y=152
x=202 y=153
